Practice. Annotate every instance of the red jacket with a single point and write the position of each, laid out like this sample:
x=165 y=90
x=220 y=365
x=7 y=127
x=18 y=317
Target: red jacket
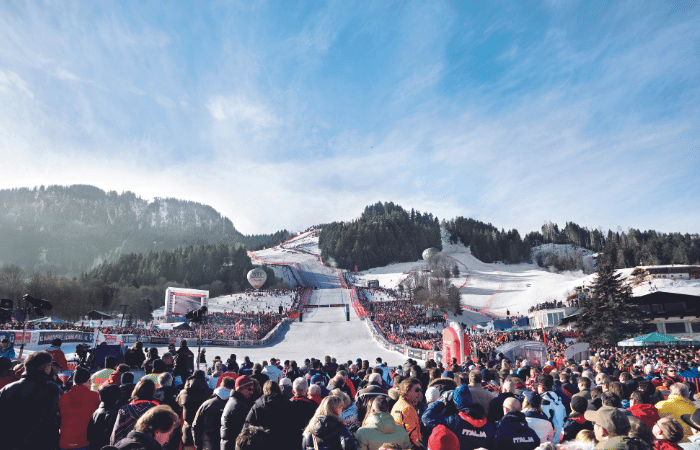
x=76 y=407
x=59 y=357
x=115 y=379
x=646 y=413
x=233 y=375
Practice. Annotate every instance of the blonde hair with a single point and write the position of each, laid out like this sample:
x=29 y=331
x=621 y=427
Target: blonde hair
x=346 y=398
x=330 y=406
x=587 y=436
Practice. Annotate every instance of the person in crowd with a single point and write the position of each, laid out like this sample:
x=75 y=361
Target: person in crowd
x=141 y=401
x=443 y=439
x=380 y=428
x=7 y=373
x=479 y=394
x=148 y=363
x=677 y=404
x=405 y=412
x=231 y=372
x=640 y=430
x=576 y=420
x=202 y=357
x=115 y=377
x=693 y=422
x=642 y=410
x=6 y=350
x=329 y=367
x=134 y=357
x=152 y=430
x=325 y=429
x=254 y=438
x=667 y=432
x=246 y=366
x=367 y=395
x=235 y=412
x=286 y=387
x=303 y=408
x=206 y=427
x=496 y=405
x=314 y=393
x=294 y=372
x=611 y=427
x=531 y=408
x=258 y=375
x=272 y=412
x=29 y=407
x=184 y=361
x=552 y=405
x=195 y=393
x=169 y=361
x=349 y=414
x=272 y=371
x=231 y=363
x=513 y=432
x=57 y=354
x=584 y=388
x=103 y=419
x=101 y=376
x=76 y=408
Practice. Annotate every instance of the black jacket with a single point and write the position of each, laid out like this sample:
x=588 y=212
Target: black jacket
x=138 y=441
x=274 y=412
x=513 y=433
x=303 y=409
x=206 y=428
x=191 y=398
x=101 y=425
x=232 y=420
x=496 y=407
x=330 y=434
x=29 y=413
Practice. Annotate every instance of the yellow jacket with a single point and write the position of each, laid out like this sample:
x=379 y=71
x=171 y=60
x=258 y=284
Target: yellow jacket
x=405 y=414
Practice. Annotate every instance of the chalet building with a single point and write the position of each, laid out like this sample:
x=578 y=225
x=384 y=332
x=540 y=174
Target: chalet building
x=672 y=272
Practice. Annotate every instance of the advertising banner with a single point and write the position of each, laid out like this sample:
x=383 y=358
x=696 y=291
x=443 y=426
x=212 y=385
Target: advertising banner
x=160 y=340
x=111 y=338
x=46 y=337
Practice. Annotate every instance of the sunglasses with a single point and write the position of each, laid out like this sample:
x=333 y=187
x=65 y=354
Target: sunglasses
x=417 y=390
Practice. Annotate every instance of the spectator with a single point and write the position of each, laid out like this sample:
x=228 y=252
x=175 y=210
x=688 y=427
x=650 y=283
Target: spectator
x=135 y=357
x=235 y=412
x=692 y=421
x=231 y=372
x=611 y=426
x=272 y=372
x=152 y=430
x=315 y=394
x=102 y=376
x=6 y=350
x=141 y=401
x=272 y=412
x=496 y=405
x=678 y=404
x=166 y=393
x=367 y=395
x=254 y=438
x=552 y=405
x=29 y=407
x=576 y=420
x=405 y=412
x=102 y=421
x=148 y=363
x=195 y=393
x=184 y=361
x=479 y=394
x=513 y=433
x=643 y=410
x=57 y=354
x=668 y=432
x=7 y=374
x=325 y=430
x=531 y=409
x=303 y=408
x=206 y=427
x=76 y=408
x=380 y=428
x=443 y=439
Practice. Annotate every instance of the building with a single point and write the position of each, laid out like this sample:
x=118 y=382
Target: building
x=672 y=272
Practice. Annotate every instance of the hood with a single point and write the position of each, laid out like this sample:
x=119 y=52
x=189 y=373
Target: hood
x=645 y=412
x=382 y=421
x=271 y=400
x=514 y=419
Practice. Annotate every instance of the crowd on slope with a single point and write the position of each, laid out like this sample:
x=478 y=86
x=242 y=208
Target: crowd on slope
x=620 y=400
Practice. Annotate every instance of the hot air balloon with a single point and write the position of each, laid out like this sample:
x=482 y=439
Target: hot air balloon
x=257 y=278
x=429 y=253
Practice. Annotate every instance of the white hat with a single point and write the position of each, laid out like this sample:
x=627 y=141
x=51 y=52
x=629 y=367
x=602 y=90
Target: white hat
x=432 y=394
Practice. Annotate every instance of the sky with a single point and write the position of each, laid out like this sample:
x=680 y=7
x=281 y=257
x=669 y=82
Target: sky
x=283 y=115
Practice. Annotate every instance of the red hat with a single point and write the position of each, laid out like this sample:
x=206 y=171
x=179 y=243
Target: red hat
x=443 y=439
x=243 y=381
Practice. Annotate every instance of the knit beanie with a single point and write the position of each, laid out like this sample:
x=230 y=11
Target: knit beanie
x=443 y=439
x=432 y=394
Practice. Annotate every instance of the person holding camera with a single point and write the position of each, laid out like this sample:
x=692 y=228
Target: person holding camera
x=57 y=354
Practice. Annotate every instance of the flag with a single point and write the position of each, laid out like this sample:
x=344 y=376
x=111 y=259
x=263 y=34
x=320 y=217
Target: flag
x=151 y=324
x=220 y=331
x=544 y=335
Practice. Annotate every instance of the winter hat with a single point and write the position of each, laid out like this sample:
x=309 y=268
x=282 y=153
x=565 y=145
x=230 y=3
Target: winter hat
x=81 y=375
x=243 y=381
x=610 y=418
x=462 y=397
x=222 y=392
x=432 y=394
x=533 y=398
x=443 y=439
x=318 y=378
x=448 y=374
x=550 y=363
x=579 y=404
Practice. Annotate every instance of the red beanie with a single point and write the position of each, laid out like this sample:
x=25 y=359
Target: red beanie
x=443 y=439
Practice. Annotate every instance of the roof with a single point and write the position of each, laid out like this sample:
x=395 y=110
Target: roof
x=692 y=301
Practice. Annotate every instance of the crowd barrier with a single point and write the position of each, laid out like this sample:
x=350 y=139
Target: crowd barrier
x=414 y=353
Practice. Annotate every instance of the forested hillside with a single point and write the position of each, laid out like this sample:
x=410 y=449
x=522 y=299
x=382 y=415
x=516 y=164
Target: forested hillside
x=384 y=234
x=71 y=229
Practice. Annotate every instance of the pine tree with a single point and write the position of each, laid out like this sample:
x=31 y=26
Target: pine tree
x=609 y=316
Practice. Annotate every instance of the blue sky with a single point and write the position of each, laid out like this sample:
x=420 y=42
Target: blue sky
x=286 y=114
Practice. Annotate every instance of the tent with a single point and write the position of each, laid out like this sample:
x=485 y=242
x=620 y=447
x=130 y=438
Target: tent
x=654 y=339
x=174 y=326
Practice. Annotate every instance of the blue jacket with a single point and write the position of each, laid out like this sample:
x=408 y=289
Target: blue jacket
x=513 y=433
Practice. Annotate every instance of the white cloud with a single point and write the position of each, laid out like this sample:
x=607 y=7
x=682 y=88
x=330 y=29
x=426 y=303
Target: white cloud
x=10 y=81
